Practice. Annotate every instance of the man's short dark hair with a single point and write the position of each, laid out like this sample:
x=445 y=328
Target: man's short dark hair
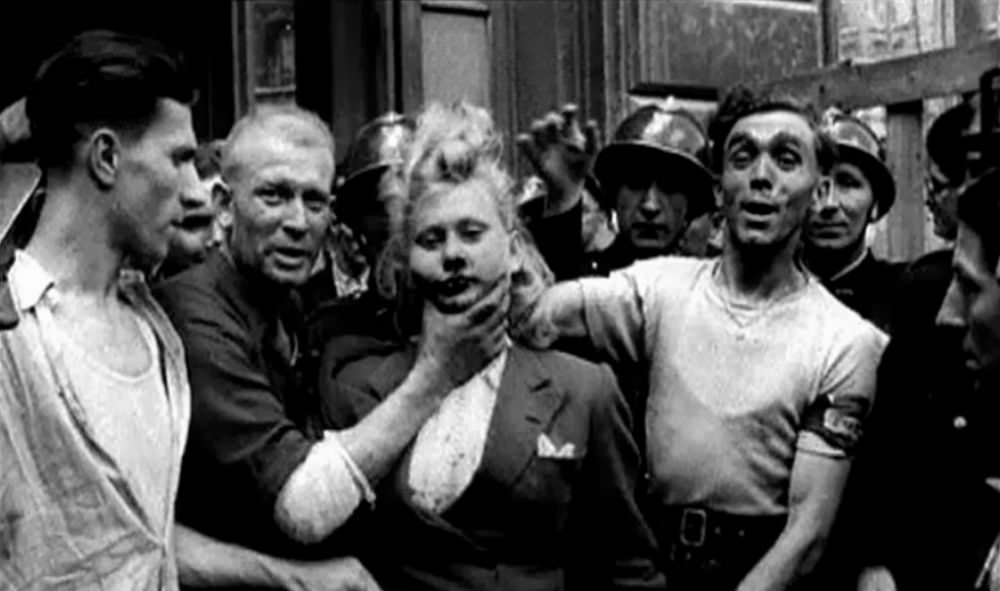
x=945 y=145
x=740 y=102
x=101 y=78
x=979 y=210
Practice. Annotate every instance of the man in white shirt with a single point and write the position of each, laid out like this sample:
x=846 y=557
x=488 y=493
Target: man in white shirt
x=759 y=378
x=94 y=398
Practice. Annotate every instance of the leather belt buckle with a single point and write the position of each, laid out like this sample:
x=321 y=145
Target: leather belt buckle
x=693 y=527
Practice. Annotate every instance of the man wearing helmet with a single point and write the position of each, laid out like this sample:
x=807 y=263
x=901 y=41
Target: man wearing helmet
x=653 y=175
x=861 y=192
x=346 y=321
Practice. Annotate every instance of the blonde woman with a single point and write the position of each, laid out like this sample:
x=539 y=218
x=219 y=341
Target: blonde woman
x=524 y=478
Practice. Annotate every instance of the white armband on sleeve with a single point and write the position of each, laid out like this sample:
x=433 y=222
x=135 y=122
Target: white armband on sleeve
x=322 y=493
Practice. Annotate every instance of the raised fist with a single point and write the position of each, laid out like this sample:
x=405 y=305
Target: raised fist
x=560 y=150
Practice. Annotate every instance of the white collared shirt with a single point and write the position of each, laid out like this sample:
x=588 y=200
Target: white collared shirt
x=449 y=447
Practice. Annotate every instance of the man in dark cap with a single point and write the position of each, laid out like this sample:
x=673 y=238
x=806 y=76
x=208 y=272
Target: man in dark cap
x=653 y=175
x=372 y=186
x=347 y=316
x=366 y=196
x=860 y=193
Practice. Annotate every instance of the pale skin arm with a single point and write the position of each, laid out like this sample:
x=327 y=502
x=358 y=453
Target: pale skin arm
x=557 y=313
x=817 y=483
x=203 y=562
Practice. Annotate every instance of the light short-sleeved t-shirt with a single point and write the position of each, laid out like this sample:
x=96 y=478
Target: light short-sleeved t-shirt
x=735 y=393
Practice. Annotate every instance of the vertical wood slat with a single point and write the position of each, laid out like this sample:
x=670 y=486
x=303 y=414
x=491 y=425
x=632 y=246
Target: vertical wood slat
x=904 y=226
x=654 y=30
x=503 y=62
x=410 y=55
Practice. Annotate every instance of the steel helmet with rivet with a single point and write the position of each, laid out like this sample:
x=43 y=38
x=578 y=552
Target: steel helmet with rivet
x=858 y=144
x=378 y=145
x=674 y=137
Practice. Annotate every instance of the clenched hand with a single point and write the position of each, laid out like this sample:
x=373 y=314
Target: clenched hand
x=561 y=151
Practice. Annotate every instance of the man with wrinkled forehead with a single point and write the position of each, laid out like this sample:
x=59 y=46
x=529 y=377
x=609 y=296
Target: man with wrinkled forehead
x=760 y=379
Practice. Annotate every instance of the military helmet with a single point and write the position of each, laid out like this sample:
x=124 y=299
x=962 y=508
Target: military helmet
x=672 y=136
x=857 y=143
x=379 y=144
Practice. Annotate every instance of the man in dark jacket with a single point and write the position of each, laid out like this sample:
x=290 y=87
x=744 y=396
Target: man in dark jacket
x=861 y=192
x=259 y=468
x=935 y=498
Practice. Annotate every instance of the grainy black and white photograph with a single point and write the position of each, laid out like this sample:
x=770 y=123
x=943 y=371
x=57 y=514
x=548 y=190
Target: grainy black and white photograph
x=500 y=295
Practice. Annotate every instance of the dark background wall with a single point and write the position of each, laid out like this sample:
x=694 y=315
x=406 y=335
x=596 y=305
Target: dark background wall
x=200 y=29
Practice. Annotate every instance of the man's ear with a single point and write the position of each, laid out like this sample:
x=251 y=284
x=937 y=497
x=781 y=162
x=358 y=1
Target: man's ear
x=222 y=196
x=516 y=250
x=717 y=193
x=104 y=156
x=873 y=213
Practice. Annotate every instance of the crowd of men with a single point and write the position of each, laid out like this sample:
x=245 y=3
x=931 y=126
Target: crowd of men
x=673 y=364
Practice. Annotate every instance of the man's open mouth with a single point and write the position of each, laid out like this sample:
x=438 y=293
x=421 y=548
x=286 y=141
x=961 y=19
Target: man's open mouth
x=195 y=221
x=292 y=256
x=759 y=208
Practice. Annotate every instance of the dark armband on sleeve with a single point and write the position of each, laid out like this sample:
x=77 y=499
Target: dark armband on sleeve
x=838 y=421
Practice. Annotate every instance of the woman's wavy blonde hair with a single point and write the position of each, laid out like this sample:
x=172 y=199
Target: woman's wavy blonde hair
x=453 y=145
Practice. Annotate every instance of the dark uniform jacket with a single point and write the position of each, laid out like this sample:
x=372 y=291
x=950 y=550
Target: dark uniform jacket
x=526 y=522
x=253 y=419
x=559 y=239
x=870 y=289
x=920 y=476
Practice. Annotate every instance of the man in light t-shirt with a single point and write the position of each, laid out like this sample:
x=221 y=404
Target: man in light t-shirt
x=759 y=378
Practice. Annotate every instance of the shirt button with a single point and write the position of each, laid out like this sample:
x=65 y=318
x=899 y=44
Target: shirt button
x=960 y=422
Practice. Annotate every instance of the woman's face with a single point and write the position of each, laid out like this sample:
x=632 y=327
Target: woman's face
x=460 y=246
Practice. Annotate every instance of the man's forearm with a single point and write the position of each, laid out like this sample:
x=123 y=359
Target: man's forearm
x=324 y=491
x=557 y=314
x=203 y=562
x=792 y=556
x=206 y=562
x=376 y=442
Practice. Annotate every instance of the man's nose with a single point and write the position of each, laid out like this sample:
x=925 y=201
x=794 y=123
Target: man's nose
x=650 y=203
x=952 y=312
x=194 y=197
x=827 y=198
x=295 y=220
x=190 y=188
x=762 y=174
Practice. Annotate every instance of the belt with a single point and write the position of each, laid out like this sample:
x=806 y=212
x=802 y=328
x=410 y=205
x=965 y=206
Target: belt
x=707 y=549
x=694 y=526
